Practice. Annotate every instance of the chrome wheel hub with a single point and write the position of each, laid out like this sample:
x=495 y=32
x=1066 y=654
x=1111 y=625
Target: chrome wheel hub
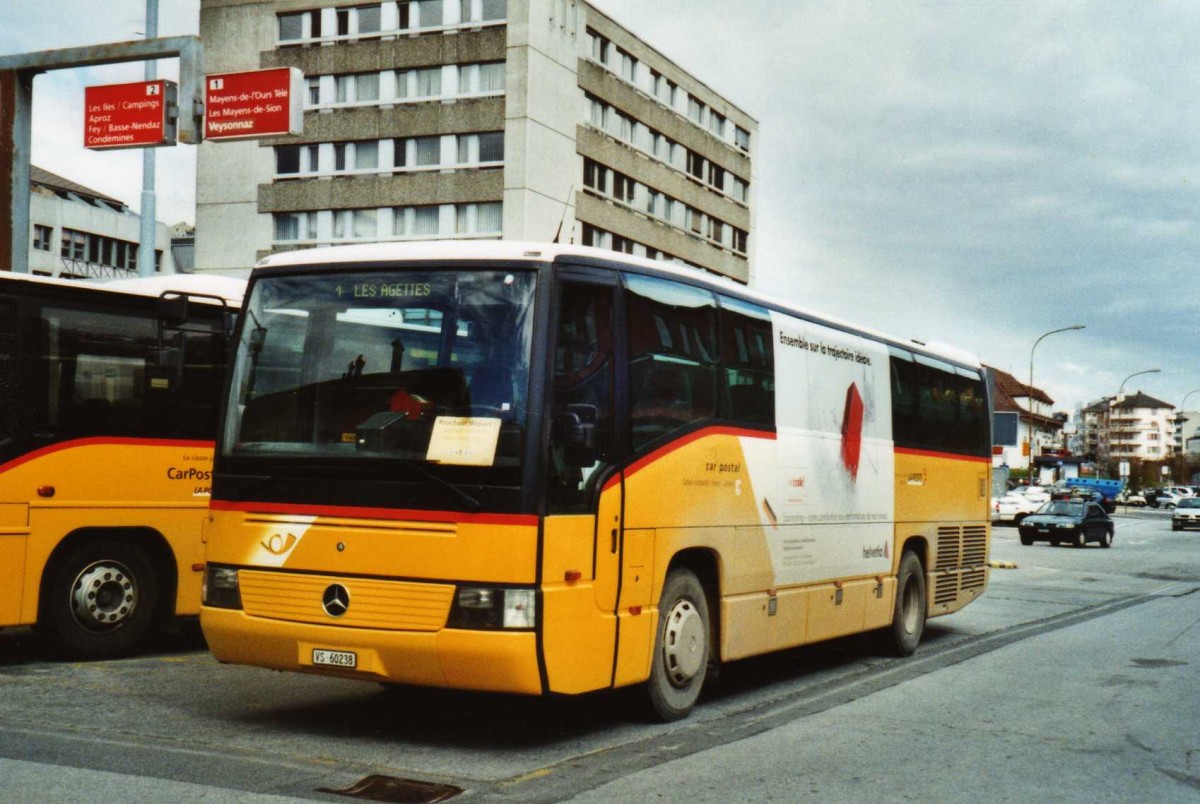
x=103 y=596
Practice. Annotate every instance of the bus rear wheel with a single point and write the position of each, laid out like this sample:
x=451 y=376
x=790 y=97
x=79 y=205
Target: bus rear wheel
x=908 y=619
x=681 y=646
x=98 y=601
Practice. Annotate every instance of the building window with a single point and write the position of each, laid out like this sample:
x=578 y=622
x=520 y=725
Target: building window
x=599 y=47
x=42 y=236
x=741 y=191
x=369 y=19
x=478 y=219
x=426 y=220
x=295 y=226
x=291 y=27
x=741 y=138
x=695 y=165
x=483 y=10
x=430 y=13
x=739 y=241
x=314 y=91
x=357 y=88
x=696 y=111
x=716 y=124
x=287 y=160
x=491 y=146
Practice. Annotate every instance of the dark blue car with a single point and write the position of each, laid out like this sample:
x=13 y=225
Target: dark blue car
x=1076 y=522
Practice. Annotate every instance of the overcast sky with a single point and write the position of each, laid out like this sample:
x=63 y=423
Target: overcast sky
x=973 y=172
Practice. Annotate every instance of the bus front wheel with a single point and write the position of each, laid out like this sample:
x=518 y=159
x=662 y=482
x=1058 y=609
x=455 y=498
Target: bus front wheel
x=98 y=601
x=908 y=619
x=681 y=646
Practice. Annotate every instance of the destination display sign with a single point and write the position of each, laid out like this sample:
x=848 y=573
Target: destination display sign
x=254 y=103
x=134 y=115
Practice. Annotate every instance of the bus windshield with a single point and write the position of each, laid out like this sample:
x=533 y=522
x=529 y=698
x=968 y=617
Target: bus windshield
x=417 y=366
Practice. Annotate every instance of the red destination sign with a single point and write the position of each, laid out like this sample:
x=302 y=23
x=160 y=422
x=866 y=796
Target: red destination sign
x=128 y=115
x=257 y=103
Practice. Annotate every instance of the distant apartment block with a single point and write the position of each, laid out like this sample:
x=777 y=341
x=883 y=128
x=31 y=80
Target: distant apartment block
x=79 y=233
x=1132 y=426
x=536 y=120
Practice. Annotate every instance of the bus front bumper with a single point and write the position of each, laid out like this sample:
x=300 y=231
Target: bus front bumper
x=494 y=661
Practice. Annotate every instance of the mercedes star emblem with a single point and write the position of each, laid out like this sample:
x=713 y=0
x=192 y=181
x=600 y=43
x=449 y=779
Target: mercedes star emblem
x=336 y=600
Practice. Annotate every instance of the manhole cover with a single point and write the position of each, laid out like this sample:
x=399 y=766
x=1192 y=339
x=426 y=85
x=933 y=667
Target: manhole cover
x=390 y=788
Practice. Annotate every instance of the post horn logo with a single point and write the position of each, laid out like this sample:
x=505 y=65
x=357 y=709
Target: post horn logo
x=336 y=600
x=278 y=544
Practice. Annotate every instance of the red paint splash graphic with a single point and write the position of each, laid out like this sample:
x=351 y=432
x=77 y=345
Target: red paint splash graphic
x=852 y=421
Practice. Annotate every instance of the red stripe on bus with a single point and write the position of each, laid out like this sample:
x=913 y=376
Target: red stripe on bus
x=666 y=449
x=927 y=453
x=356 y=512
x=103 y=441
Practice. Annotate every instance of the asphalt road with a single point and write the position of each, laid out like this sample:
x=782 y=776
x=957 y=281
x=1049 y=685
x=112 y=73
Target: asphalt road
x=1073 y=678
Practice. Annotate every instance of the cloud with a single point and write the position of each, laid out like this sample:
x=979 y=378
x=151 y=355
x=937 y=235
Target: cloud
x=976 y=173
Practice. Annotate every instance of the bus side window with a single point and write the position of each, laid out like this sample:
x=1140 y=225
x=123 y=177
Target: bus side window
x=748 y=358
x=96 y=377
x=583 y=384
x=906 y=425
x=673 y=357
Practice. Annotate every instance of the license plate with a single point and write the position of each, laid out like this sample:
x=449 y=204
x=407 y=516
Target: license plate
x=335 y=658
x=1043 y=530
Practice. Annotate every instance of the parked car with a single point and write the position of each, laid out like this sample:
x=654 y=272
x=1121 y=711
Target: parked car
x=1167 y=499
x=1182 y=491
x=1073 y=521
x=1134 y=498
x=1016 y=505
x=1186 y=514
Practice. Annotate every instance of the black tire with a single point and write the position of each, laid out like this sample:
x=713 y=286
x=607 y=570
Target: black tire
x=98 y=600
x=908 y=617
x=1026 y=539
x=1107 y=539
x=681 y=646
x=1176 y=527
x=1080 y=539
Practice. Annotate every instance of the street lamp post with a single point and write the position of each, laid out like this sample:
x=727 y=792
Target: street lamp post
x=1029 y=466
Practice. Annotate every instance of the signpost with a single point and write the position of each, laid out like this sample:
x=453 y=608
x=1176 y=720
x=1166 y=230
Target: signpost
x=131 y=115
x=255 y=103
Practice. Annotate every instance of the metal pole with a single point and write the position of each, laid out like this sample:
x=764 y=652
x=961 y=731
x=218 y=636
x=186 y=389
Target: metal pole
x=1029 y=466
x=149 y=228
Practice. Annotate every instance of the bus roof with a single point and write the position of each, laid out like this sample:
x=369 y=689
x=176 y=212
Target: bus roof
x=515 y=250
x=227 y=288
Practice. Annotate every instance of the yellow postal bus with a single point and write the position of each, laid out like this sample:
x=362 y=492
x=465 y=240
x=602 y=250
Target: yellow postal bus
x=108 y=403
x=551 y=470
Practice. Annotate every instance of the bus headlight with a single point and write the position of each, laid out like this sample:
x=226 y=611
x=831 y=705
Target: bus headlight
x=219 y=588
x=480 y=607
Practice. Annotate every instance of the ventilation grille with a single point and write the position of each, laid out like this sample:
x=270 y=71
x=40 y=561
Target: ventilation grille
x=949 y=547
x=974 y=546
x=945 y=589
x=387 y=605
x=974 y=579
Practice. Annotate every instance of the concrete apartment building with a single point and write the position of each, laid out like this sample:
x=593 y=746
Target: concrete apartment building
x=450 y=119
x=80 y=233
x=1133 y=426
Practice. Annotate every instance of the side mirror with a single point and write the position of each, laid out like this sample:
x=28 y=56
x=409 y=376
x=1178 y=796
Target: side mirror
x=173 y=310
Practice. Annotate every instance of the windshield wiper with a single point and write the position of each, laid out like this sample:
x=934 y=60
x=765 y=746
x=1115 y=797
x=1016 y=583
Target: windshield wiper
x=473 y=505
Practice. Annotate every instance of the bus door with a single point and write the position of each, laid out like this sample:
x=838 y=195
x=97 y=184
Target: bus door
x=584 y=494
x=14 y=512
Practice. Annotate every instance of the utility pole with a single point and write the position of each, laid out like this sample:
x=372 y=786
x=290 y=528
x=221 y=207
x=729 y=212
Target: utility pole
x=149 y=229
